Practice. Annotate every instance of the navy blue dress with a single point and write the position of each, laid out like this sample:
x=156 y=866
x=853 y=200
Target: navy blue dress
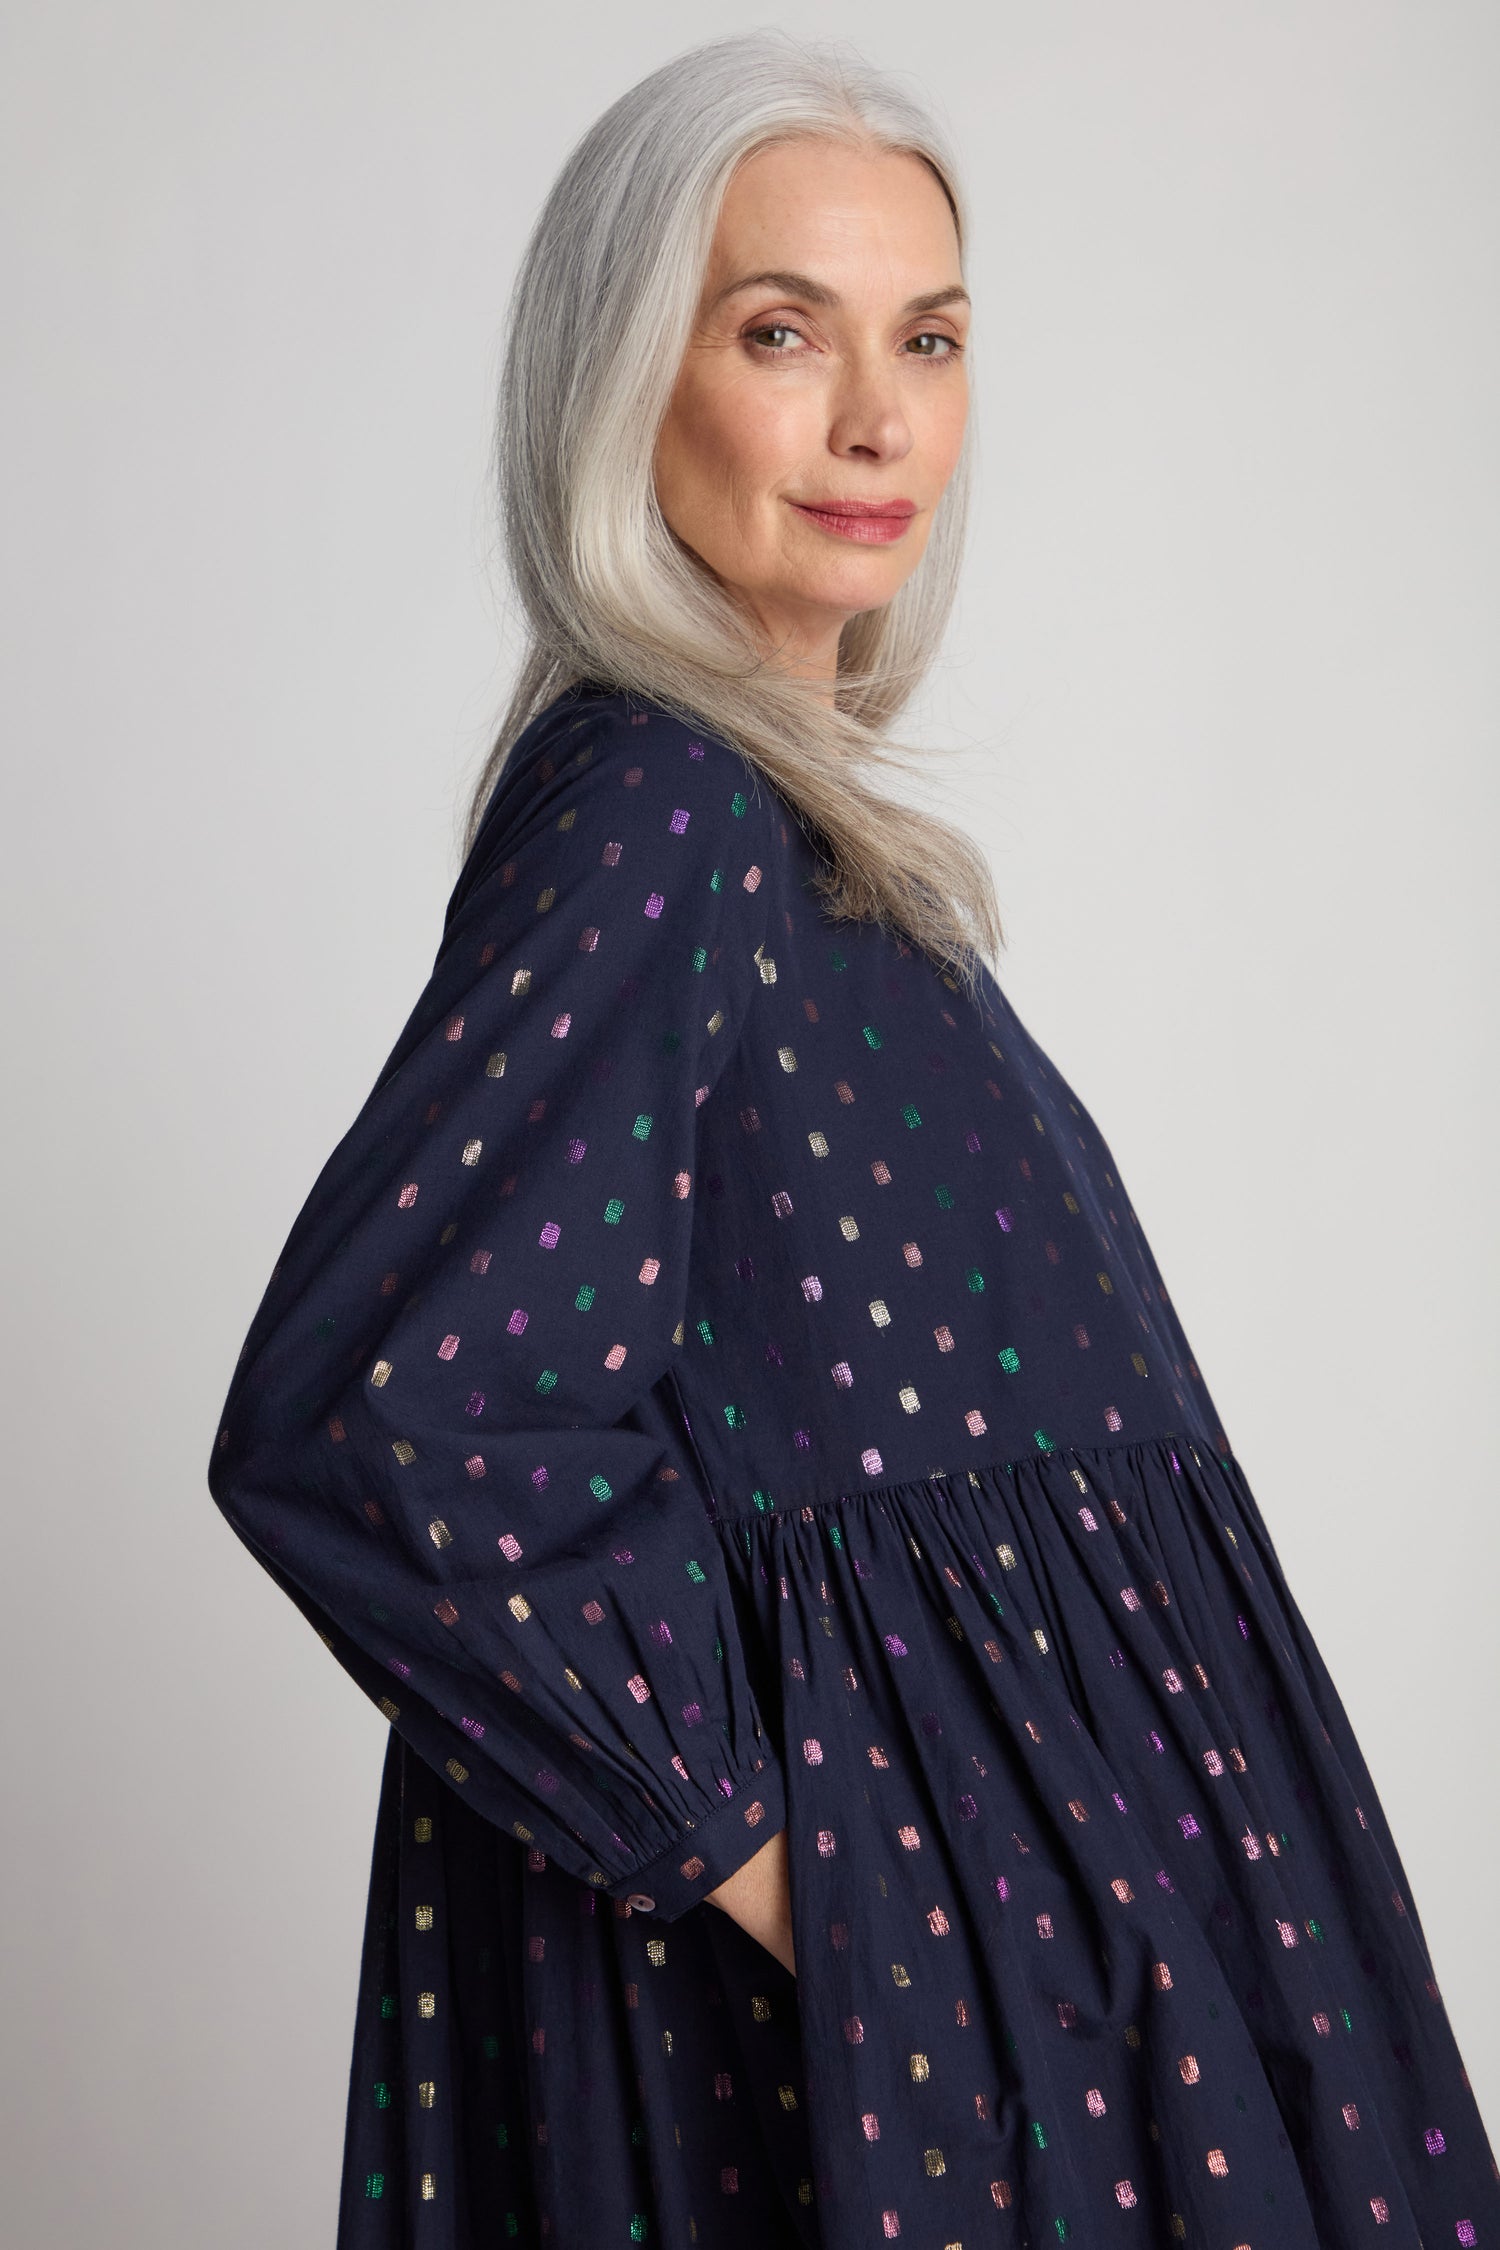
x=718 y=1385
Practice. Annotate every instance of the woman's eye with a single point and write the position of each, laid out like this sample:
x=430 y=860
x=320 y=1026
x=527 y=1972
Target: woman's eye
x=772 y=338
x=923 y=346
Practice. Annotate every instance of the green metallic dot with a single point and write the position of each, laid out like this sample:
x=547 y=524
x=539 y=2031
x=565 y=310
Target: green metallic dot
x=974 y=1279
x=374 y=2186
x=641 y=1129
x=382 y=2094
x=944 y=1198
x=735 y=1417
x=762 y=1499
x=737 y=804
x=584 y=1300
x=1037 y=2133
x=716 y=880
x=696 y=1572
x=1048 y=1445
x=872 y=1037
x=1010 y=1359
x=614 y=1211
x=599 y=1486
x=911 y=1113
x=706 y=1331
x=700 y=959
x=546 y=1381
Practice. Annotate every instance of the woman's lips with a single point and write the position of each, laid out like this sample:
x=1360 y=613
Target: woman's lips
x=874 y=522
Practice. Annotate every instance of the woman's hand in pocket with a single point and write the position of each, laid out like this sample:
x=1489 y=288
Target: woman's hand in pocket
x=758 y=1896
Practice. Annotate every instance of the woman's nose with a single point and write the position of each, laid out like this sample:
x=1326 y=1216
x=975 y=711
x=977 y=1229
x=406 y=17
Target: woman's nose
x=868 y=417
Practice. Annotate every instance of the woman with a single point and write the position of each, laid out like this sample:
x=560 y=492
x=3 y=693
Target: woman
x=856 y=1769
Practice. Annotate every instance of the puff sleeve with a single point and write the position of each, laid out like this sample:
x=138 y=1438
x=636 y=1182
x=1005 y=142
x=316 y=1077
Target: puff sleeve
x=454 y=1436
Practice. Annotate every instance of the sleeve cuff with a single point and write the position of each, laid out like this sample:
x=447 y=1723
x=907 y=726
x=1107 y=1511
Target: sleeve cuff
x=702 y=1858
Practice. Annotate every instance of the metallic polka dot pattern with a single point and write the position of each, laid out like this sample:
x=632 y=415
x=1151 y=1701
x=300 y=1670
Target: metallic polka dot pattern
x=717 y=1385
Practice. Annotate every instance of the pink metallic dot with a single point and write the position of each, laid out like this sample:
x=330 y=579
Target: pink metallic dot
x=475 y=1465
x=480 y=1262
x=870 y=2125
x=1351 y=2116
x=517 y=1321
x=654 y=905
x=562 y=1024
x=454 y=1028
x=1434 y=2139
x=871 y=1462
x=547 y=1239
x=812 y=1750
x=1125 y=2195
x=638 y=1687
x=895 y=1644
x=937 y=1921
x=1006 y=1218
x=1113 y=1419
x=447 y=1347
x=510 y=1546
x=1094 y=2100
x=1044 y=1925
x=407 y=1197
x=827 y=1843
x=1002 y=1889
x=1381 y=2210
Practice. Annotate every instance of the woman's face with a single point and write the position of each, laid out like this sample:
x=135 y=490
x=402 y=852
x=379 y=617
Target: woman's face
x=820 y=407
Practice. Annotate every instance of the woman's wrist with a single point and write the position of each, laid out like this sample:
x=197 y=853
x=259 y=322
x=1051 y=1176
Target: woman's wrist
x=758 y=1896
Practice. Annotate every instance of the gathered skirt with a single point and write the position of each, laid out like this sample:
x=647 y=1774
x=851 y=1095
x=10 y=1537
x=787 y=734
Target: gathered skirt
x=1101 y=1933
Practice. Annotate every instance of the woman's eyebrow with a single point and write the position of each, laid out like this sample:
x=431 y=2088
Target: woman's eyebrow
x=814 y=293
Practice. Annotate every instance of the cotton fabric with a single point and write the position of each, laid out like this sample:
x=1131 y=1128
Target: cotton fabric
x=719 y=1384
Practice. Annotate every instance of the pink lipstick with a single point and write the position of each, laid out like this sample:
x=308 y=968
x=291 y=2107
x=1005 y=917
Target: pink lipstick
x=873 y=522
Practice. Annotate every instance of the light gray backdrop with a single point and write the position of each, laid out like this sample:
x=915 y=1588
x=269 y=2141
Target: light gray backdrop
x=1225 y=687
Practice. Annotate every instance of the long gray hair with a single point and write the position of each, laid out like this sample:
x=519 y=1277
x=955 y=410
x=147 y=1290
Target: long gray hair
x=601 y=316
